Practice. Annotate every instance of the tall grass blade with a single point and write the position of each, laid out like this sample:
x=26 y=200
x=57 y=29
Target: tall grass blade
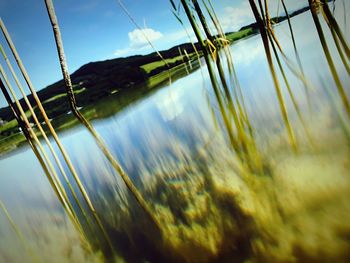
x=19 y=234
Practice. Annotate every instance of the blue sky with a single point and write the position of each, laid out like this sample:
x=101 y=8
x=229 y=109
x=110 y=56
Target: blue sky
x=94 y=30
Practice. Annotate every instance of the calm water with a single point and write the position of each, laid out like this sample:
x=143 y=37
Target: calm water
x=173 y=144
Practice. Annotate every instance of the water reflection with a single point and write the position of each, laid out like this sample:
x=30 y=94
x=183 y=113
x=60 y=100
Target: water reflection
x=173 y=145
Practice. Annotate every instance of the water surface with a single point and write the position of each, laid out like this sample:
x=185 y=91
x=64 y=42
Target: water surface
x=174 y=145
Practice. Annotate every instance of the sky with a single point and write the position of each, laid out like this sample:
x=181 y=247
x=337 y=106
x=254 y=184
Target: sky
x=95 y=30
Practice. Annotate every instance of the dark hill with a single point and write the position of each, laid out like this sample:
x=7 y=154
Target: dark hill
x=100 y=78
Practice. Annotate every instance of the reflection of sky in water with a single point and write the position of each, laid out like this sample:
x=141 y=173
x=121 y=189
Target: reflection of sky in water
x=177 y=118
x=152 y=129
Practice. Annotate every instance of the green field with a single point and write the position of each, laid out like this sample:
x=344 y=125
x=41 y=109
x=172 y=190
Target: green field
x=160 y=63
x=238 y=35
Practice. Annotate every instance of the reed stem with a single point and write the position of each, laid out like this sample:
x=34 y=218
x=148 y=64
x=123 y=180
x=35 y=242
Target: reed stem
x=100 y=142
x=36 y=98
x=307 y=94
x=340 y=51
x=332 y=22
x=291 y=95
x=329 y=59
x=216 y=88
x=58 y=162
x=21 y=122
x=265 y=40
x=241 y=133
x=54 y=177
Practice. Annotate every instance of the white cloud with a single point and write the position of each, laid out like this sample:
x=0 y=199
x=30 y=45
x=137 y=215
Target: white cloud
x=236 y=17
x=138 y=41
x=246 y=52
x=181 y=35
x=138 y=38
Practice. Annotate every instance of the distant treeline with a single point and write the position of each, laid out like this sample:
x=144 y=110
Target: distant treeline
x=98 y=79
x=277 y=19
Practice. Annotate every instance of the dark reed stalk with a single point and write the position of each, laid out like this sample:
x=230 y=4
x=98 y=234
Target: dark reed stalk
x=211 y=41
x=262 y=12
x=334 y=24
x=329 y=59
x=73 y=106
x=265 y=40
x=270 y=31
x=99 y=140
x=19 y=234
x=21 y=123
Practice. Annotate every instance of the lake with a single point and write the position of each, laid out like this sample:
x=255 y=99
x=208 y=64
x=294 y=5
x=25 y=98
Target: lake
x=175 y=145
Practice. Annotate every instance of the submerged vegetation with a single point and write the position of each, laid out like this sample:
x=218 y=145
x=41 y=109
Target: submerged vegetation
x=238 y=185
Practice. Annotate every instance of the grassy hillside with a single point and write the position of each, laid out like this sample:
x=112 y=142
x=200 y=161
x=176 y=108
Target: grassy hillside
x=97 y=80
